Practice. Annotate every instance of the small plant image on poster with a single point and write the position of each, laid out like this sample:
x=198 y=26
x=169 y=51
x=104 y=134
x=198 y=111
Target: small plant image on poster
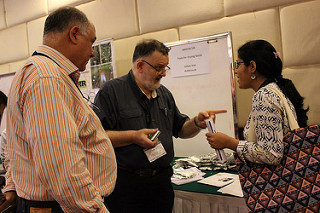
x=100 y=69
x=101 y=65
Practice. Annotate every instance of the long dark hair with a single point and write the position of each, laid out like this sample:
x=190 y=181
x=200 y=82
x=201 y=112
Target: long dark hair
x=269 y=65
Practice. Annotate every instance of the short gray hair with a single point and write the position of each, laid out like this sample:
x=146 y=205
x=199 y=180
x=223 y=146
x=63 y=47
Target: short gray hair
x=64 y=18
x=147 y=47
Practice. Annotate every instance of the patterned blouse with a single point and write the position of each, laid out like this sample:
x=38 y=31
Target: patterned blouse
x=270 y=125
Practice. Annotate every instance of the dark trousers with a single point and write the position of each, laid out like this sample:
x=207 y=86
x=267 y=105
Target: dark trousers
x=142 y=194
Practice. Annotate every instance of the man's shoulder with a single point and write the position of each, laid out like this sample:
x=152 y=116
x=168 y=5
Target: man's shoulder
x=116 y=82
x=33 y=69
x=163 y=90
x=44 y=65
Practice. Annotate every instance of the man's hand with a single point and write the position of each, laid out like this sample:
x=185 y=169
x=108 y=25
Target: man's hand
x=141 y=138
x=203 y=115
x=192 y=127
x=10 y=199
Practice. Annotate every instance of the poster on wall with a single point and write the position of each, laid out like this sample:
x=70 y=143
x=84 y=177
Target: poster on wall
x=190 y=59
x=100 y=69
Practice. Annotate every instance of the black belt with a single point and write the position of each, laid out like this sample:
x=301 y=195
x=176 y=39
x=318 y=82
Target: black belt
x=54 y=205
x=148 y=172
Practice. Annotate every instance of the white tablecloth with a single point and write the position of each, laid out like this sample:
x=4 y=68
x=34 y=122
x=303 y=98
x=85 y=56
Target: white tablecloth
x=192 y=202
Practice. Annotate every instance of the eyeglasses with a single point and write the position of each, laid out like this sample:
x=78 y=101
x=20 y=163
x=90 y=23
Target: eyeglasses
x=237 y=64
x=158 y=69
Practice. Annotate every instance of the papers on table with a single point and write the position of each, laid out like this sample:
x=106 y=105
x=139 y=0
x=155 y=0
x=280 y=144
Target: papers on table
x=232 y=189
x=219 y=180
x=207 y=162
x=182 y=176
x=230 y=182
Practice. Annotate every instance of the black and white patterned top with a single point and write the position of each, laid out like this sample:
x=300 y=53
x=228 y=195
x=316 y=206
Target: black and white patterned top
x=270 y=125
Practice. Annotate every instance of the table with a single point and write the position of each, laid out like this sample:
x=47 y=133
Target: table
x=201 y=198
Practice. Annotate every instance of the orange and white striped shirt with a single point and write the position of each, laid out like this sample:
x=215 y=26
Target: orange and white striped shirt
x=57 y=147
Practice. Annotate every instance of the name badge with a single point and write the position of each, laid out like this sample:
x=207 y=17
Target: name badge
x=155 y=153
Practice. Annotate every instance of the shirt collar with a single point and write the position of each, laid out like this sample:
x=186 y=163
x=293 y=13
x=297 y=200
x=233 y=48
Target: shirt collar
x=266 y=82
x=154 y=93
x=63 y=62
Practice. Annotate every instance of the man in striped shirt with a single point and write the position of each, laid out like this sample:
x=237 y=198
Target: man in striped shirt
x=59 y=156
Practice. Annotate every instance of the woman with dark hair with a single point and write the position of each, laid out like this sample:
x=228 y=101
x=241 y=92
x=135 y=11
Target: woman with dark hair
x=259 y=67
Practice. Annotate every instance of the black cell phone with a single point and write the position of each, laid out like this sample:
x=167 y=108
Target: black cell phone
x=154 y=135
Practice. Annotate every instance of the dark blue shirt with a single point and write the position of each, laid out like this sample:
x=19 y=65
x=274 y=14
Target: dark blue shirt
x=123 y=106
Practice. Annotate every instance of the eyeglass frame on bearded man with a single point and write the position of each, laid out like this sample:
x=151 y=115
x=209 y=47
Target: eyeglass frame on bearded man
x=158 y=69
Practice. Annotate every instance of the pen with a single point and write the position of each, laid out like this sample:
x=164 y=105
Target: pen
x=166 y=111
x=210 y=126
